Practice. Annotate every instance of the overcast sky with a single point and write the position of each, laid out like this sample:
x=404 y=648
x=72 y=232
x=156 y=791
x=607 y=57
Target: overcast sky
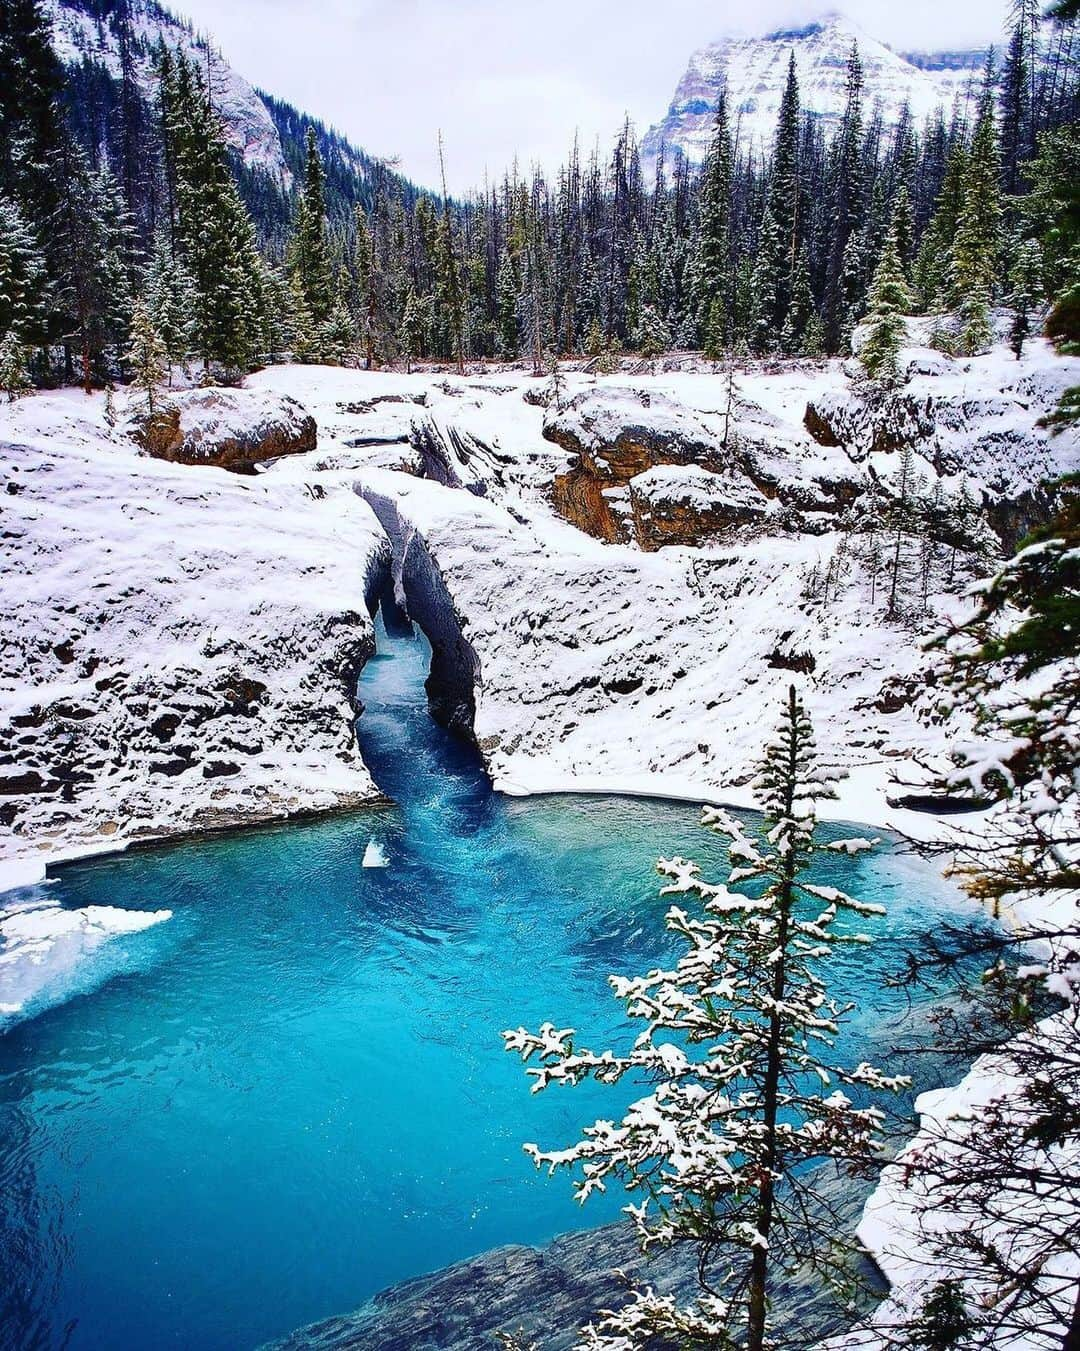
x=506 y=77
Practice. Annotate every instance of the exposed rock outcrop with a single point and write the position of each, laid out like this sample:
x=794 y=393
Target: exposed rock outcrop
x=691 y=506
x=614 y=435
x=873 y=421
x=548 y=1294
x=229 y=428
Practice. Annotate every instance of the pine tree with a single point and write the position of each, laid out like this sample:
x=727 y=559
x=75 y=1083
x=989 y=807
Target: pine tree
x=933 y=266
x=169 y=291
x=778 y=241
x=904 y=512
x=844 y=262
x=977 y=244
x=719 y=1148
x=147 y=357
x=31 y=132
x=890 y=300
x=214 y=235
x=90 y=244
x=712 y=280
x=652 y=337
x=802 y=311
x=1026 y=293
x=1053 y=210
x=310 y=247
x=411 y=333
x=14 y=375
x=555 y=389
x=23 y=310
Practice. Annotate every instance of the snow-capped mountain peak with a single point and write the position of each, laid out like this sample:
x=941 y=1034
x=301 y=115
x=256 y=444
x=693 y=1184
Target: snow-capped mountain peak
x=754 y=70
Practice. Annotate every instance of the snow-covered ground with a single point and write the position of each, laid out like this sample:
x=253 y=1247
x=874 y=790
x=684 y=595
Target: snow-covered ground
x=178 y=643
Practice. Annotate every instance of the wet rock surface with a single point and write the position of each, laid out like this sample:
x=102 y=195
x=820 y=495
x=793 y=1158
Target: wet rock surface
x=547 y=1294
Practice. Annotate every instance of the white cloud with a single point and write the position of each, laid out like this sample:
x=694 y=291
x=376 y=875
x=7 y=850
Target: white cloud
x=506 y=77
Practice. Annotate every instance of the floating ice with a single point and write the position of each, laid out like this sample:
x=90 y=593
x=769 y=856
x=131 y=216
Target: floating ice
x=42 y=944
x=375 y=856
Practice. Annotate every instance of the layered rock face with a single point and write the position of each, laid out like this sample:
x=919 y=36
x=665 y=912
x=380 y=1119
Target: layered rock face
x=179 y=646
x=686 y=505
x=229 y=428
x=680 y=473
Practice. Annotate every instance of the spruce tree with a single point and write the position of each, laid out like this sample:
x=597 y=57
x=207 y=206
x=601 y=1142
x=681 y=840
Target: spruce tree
x=411 y=333
x=147 y=356
x=890 y=300
x=310 y=247
x=23 y=286
x=933 y=265
x=778 y=240
x=977 y=245
x=1026 y=293
x=712 y=280
x=14 y=375
x=31 y=133
x=170 y=299
x=846 y=204
x=652 y=337
x=736 y=1032
x=215 y=237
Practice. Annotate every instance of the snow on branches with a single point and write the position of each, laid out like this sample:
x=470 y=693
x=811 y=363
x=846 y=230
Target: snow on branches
x=736 y=1050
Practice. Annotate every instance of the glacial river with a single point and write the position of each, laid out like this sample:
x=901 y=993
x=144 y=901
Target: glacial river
x=294 y=1092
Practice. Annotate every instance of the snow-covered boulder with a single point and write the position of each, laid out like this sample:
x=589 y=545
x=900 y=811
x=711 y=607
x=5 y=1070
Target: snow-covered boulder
x=229 y=428
x=688 y=505
x=872 y=422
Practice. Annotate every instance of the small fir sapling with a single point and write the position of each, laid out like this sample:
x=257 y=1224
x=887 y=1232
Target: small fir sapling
x=146 y=356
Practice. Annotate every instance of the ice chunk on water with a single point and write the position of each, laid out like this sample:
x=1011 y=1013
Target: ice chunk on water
x=375 y=856
x=41 y=944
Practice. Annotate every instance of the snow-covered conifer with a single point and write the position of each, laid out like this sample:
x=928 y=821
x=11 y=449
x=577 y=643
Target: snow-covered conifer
x=23 y=281
x=890 y=300
x=147 y=357
x=14 y=375
x=977 y=244
x=1027 y=290
x=736 y=1041
x=653 y=338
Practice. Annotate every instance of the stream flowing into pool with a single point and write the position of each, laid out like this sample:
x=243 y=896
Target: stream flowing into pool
x=294 y=1092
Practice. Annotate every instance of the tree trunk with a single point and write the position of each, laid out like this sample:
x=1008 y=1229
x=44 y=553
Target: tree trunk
x=759 y=1262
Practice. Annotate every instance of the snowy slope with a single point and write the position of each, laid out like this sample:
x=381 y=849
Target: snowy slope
x=754 y=70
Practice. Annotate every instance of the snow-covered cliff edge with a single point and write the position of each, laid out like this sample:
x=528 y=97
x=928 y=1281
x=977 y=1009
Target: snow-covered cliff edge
x=179 y=644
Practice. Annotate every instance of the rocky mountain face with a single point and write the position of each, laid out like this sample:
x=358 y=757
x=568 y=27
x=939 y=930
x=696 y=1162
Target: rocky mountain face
x=104 y=42
x=90 y=33
x=754 y=70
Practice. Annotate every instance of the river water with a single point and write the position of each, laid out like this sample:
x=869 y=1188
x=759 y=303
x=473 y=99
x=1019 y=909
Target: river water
x=294 y=1093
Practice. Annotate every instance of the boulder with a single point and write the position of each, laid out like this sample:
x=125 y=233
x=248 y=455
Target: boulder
x=230 y=428
x=688 y=505
x=871 y=422
x=614 y=435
